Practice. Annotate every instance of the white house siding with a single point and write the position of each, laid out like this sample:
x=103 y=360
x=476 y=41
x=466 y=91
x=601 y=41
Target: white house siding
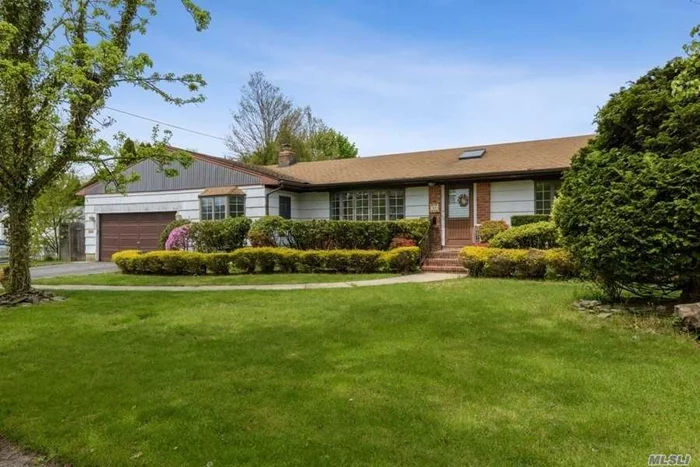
x=254 y=201
x=184 y=202
x=315 y=205
x=274 y=200
x=417 y=201
x=512 y=198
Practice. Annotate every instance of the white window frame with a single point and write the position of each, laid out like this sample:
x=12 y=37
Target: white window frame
x=227 y=207
x=359 y=205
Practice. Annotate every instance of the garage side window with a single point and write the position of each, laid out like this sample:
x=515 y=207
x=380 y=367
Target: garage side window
x=220 y=207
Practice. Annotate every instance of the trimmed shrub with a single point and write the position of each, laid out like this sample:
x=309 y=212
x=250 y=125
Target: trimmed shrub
x=169 y=228
x=244 y=260
x=475 y=258
x=288 y=260
x=522 y=264
x=264 y=232
x=489 y=229
x=219 y=236
x=524 y=219
x=267 y=260
x=540 y=235
x=179 y=238
x=123 y=259
x=559 y=264
x=310 y=260
x=402 y=260
x=183 y=263
x=219 y=263
x=530 y=265
x=504 y=263
x=415 y=229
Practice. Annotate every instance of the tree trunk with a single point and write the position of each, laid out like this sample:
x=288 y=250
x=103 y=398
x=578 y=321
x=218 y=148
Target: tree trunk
x=691 y=290
x=19 y=223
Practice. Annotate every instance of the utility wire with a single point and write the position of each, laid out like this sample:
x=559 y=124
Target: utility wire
x=164 y=123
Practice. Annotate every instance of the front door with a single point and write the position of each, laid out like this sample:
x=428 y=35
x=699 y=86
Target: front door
x=458 y=216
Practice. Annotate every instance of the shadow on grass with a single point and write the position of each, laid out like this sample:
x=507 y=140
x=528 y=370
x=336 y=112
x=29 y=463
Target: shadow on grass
x=408 y=375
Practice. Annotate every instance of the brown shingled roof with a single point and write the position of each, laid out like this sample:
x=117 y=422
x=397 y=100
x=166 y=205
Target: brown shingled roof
x=507 y=158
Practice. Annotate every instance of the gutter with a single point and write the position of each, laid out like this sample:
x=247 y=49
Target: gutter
x=434 y=179
x=267 y=197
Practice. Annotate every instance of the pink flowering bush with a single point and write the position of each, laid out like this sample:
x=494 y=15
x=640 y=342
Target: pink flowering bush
x=179 y=238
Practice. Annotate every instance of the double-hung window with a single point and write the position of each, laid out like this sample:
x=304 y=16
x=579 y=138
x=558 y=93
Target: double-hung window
x=220 y=207
x=368 y=205
x=285 y=207
x=545 y=192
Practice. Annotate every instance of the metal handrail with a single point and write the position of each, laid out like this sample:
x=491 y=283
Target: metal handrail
x=425 y=244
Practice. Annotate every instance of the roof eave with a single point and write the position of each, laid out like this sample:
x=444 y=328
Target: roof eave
x=438 y=178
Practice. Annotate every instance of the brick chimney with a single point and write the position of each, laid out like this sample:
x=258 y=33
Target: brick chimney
x=286 y=156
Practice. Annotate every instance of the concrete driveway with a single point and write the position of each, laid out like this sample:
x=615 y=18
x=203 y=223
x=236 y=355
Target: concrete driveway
x=72 y=269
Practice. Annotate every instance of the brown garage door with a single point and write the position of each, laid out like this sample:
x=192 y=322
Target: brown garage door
x=137 y=231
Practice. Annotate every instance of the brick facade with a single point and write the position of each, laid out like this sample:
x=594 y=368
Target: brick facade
x=483 y=202
x=435 y=198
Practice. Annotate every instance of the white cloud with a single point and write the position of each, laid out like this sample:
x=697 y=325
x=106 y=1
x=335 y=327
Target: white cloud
x=387 y=94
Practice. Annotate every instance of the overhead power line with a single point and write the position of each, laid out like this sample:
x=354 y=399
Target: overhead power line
x=165 y=123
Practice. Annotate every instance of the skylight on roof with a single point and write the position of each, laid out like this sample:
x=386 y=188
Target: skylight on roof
x=472 y=154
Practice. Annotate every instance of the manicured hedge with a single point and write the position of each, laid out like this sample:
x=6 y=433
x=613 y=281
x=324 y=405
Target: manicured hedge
x=523 y=264
x=219 y=236
x=267 y=260
x=524 y=219
x=271 y=231
x=489 y=229
x=541 y=235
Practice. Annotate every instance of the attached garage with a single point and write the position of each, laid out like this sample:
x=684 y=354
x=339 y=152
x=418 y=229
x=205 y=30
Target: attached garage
x=133 y=231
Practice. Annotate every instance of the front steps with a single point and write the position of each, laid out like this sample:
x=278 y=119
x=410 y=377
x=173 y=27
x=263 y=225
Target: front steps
x=446 y=260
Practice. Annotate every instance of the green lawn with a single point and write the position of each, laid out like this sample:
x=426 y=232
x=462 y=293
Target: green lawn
x=469 y=372
x=117 y=278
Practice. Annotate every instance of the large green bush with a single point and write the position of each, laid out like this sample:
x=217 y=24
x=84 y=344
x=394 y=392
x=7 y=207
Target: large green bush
x=267 y=260
x=328 y=235
x=169 y=228
x=541 y=235
x=524 y=219
x=629 y=208
x=219 y=236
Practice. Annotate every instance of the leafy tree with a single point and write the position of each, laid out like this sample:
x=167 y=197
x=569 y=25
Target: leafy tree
x=331 y=144
x=266 y=119
x=58 y=205
x=59 y=62
x=629 y=208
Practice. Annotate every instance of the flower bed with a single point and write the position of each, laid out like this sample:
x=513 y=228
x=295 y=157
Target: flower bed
x=519 y=263
x=267 y=260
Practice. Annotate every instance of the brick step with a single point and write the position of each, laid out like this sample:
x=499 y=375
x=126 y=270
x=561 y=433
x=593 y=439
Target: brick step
x=444 y=254
x=428 y=268
x=443 y=262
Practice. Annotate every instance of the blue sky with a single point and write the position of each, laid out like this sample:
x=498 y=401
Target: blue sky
x=407 y=75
